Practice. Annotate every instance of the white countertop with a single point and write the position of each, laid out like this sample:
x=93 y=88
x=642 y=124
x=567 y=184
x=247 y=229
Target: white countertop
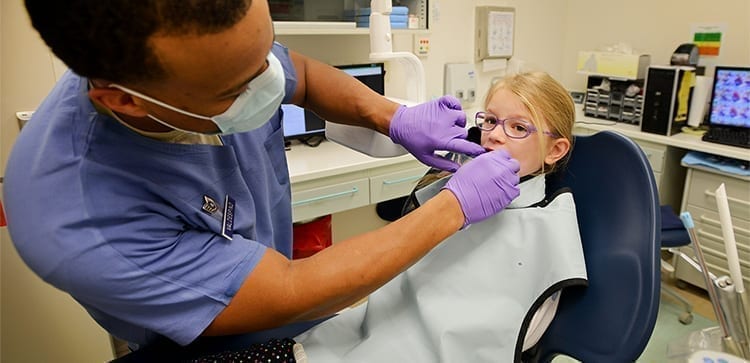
x=330 y=159
x=680 y=140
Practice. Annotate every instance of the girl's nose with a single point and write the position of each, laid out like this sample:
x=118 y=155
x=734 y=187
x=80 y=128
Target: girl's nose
x=498 y=135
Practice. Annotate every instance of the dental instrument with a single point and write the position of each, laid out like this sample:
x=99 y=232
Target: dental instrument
x=729 y=343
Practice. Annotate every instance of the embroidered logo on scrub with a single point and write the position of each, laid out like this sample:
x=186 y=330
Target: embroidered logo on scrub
x=226 y=216
x=209 y=205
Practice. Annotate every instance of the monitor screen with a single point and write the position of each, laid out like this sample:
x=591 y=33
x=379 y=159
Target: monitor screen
x=730 y=100
x=299 y=123
x=371 y=74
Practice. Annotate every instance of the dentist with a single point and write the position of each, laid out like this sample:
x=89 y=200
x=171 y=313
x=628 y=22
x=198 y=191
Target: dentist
x=152 y=186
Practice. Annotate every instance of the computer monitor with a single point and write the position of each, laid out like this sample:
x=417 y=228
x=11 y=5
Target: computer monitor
x=299 y=123
x=730 y=98
x=371 y=74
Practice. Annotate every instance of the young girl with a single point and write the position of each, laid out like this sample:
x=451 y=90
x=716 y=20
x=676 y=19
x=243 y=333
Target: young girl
x=489 y=292
x=537 y=115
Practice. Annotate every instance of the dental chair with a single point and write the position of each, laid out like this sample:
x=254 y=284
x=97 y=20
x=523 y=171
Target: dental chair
x=620 y=223
x=617 y=205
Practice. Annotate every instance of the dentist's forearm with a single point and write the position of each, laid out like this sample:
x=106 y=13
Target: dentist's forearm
x=359 y=265
x=280 y=292
x=337 y=97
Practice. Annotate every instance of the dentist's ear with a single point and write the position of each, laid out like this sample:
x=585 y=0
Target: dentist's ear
x=117 y=101
x=557 y=150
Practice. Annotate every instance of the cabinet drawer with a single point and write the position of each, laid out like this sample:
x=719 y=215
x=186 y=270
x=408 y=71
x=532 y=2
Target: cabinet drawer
x=717 y=265
x=708 y=230
x=314 y=202
x=702 y=193
x=394 y=185
x=655 y=155
x=708 y=221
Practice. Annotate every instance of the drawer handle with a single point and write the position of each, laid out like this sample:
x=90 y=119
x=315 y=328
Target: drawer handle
x=328 y=196
x=712 y=252
x=711 y=236
x=720 y=255
x=402 y=180
x=717 y=224
x=731 y=199
x=719 y=239
x=710 y=221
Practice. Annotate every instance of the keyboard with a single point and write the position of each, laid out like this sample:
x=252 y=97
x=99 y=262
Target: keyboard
x=727 y=136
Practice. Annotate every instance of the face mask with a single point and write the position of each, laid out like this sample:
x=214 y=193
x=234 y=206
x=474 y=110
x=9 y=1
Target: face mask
x=250 y=110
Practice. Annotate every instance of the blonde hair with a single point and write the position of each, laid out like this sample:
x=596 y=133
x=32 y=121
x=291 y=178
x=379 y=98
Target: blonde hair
x=548 y=102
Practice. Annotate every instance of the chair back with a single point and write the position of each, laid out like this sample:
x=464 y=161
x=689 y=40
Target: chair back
x=617 y=205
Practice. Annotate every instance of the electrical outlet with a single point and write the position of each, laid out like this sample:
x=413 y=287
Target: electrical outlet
x=421 y=45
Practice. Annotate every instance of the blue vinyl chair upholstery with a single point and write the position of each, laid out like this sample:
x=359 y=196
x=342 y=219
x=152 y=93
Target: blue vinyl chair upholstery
x=619 y=218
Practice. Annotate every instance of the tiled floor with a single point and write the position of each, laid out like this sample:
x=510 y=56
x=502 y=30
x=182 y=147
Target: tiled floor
x=696 y=296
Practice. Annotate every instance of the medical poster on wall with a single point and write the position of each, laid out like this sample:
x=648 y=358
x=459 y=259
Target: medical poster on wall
x=494 y=30
x=500 y=33
x=708 y=39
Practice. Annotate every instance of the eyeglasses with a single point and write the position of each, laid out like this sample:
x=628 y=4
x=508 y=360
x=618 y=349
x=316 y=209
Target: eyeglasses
x=515 y=128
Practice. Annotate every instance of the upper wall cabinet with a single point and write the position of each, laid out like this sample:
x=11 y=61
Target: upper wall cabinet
x=300 y=17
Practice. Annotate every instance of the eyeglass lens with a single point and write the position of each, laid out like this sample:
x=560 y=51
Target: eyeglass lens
x=514 y=128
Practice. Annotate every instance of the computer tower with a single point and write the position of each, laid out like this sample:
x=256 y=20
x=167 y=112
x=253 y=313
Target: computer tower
x=666 y=99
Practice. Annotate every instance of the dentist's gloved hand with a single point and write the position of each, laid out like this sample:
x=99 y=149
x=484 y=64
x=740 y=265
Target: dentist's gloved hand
x=485 y=185
x=431 y=126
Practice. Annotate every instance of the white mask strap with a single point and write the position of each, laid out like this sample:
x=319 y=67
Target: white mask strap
x=155 y=101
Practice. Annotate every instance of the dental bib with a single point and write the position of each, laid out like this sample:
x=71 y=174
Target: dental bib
x=472 y=298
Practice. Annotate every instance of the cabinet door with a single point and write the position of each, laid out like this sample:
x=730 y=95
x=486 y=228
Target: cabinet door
x=668 y=174
x=655 y=155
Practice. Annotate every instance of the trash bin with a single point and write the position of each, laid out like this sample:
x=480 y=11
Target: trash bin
x=312 y=236
x=2 y=216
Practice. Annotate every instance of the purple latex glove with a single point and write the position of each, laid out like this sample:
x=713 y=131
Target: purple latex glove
x=485 y=185
x=431 y=126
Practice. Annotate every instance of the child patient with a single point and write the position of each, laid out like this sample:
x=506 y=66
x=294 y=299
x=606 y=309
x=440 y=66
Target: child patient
x=489 y=292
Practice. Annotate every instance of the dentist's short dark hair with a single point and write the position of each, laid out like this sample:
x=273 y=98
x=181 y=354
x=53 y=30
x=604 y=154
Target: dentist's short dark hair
x=109 y=39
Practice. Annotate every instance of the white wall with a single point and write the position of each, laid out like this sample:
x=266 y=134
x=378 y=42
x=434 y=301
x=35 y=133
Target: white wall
x=538 y=41
x=652 y=27
x=39 y=323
